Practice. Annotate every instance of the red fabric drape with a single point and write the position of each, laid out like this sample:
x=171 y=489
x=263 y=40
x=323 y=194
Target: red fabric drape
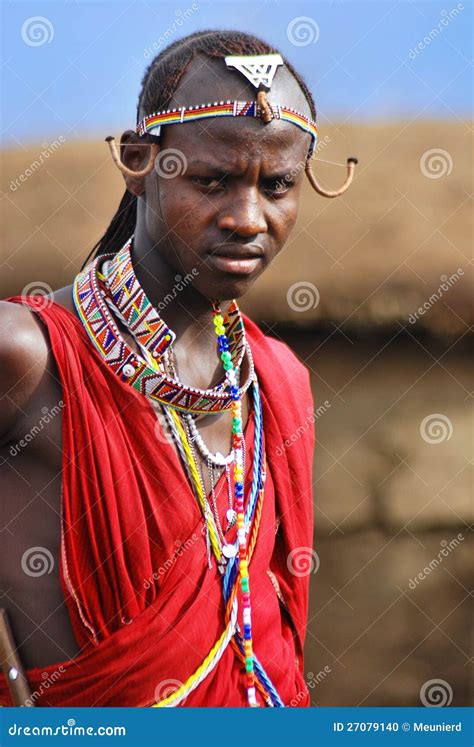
x=143 y=605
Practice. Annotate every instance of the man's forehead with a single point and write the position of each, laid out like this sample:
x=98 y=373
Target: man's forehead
x=209 y=79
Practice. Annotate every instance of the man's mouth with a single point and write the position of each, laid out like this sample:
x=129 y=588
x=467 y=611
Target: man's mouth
x=237 y=259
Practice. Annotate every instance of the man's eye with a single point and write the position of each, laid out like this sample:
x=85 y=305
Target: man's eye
x=277 y=187
x=210 y=182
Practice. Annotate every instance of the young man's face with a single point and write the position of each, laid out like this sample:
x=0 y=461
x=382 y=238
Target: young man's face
x=232 y=201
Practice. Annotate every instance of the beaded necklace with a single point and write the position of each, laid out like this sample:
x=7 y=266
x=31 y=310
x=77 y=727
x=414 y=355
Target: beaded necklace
x=90 y=290
x=241 y=643
x=212 y=461
x=233 y=565
x=237 y=438
x=89 y=293
x=217 y=459
x=238 y=474
x=118 y=281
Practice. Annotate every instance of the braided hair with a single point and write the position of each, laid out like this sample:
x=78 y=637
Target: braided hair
x=159 y=83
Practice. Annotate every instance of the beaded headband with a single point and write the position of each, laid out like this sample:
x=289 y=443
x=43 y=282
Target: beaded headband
x=153 y=122
x=260 y=71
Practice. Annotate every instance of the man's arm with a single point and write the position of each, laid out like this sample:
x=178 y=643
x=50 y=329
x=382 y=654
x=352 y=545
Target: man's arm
x=23 y=359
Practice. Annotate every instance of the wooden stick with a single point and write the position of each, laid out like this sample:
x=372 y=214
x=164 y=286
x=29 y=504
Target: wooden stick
x=11 y=665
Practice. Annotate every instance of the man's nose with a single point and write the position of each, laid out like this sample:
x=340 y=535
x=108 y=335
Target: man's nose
x=244 y=215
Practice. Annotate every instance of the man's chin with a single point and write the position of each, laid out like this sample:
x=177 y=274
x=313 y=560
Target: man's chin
x=227 y=287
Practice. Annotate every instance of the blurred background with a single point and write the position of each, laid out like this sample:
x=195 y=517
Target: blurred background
x=373 y=290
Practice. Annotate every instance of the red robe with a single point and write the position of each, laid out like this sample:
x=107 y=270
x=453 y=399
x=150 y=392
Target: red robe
x=144 y=607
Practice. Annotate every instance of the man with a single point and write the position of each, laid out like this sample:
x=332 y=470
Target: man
x=130 y=537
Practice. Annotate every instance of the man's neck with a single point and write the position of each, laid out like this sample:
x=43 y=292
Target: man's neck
x=187 y=312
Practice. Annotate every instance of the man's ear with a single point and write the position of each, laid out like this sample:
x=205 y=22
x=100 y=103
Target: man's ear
x=135 y=155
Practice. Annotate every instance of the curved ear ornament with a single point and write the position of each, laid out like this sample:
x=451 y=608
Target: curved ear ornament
x=110 y=140
x=351 y=163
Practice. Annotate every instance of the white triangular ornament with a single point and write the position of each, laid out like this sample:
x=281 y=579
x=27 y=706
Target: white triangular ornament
x=259 y=69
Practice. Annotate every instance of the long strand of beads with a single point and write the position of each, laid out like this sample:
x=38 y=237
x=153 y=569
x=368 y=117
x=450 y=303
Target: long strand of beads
x=206 y=509
x=231 y=516
x=227 y=549
x=210 y=469
x=216 y=458
x=237 y=440
x=182 y=442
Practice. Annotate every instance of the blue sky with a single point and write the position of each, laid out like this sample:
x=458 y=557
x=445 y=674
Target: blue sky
x=76 y=70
